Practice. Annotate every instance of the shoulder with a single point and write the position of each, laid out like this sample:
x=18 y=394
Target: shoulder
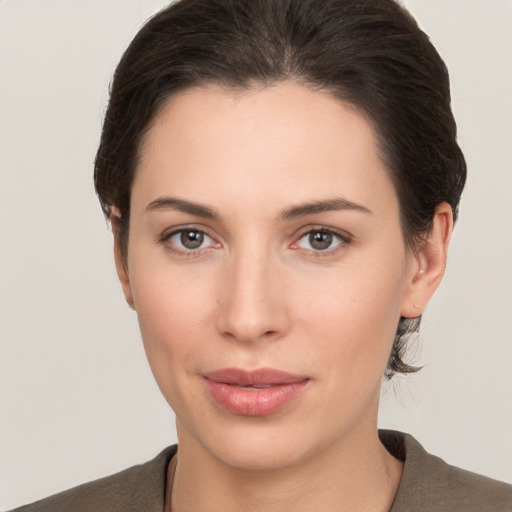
x=140 y=487
x=429 y=483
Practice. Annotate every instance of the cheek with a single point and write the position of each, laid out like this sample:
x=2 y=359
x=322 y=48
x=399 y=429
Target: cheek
x=176 y=314
x=352 y=316
x=169 y=297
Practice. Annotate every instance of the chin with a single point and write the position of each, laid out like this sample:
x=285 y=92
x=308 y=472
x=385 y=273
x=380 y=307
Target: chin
x=256 y=451
x=269 y=443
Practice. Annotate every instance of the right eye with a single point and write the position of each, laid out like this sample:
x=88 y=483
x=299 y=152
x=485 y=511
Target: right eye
x=188 y=240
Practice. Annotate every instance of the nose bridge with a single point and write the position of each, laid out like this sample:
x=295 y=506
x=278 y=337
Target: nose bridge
x=252 y=305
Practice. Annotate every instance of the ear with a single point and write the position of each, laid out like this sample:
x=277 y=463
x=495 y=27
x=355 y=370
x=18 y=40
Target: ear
x=429 y=263
x=120 y=260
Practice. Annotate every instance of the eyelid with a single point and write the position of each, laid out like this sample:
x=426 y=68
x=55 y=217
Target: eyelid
x=168 y=232
x=344 y=235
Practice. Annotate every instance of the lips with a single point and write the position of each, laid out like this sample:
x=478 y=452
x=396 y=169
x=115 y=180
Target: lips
x=253 y=393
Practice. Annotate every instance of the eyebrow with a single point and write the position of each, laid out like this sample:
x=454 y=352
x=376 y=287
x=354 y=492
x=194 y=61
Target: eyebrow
x=172 y=203
x=337 y=204
x=181 y=205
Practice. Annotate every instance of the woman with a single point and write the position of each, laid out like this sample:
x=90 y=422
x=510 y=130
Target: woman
x=282 y=179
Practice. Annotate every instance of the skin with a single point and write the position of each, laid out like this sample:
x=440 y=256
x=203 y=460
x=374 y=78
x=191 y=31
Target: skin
x=258 y=294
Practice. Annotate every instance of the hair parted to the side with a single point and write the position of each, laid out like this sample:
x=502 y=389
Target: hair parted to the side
x=371 y=54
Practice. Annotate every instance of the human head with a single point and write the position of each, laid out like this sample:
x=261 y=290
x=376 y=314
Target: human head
x=371 y=55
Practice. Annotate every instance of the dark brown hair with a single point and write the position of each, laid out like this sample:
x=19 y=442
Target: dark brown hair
x=369 y=53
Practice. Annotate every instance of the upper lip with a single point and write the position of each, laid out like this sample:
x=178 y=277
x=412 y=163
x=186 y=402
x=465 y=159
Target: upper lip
x=258 y=377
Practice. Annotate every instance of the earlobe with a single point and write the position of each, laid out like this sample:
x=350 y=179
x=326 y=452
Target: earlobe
x=430 y=263
x=120 y=260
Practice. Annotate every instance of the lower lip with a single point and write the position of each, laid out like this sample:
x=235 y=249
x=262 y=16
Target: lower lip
x=251 y=401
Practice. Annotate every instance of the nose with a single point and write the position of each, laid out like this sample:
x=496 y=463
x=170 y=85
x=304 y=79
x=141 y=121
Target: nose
x=253 y=299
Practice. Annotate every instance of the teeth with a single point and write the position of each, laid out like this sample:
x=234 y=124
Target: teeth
x=256 y=386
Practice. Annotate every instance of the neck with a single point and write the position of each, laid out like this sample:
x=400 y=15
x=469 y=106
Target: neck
x=356 y=474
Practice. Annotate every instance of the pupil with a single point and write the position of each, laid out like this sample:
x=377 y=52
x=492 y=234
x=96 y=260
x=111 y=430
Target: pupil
x=192 y=239
x=320 y=240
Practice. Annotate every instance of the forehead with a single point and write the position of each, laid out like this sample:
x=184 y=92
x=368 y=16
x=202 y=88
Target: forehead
x=266 y=140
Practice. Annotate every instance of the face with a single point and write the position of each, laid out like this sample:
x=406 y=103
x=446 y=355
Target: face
x=268 y=270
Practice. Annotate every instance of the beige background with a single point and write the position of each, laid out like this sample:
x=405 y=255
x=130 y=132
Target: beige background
x=77 y=400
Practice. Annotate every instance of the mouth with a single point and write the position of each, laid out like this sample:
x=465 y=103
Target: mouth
x=254 y=393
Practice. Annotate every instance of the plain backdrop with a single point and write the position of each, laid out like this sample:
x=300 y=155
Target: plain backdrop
x=77 y=399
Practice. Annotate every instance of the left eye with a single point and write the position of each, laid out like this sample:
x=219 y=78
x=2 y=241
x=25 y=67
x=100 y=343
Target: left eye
x=190 y=239
x=319 y=240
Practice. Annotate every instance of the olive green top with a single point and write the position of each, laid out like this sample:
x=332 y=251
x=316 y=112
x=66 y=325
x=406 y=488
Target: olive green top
x=428 y=484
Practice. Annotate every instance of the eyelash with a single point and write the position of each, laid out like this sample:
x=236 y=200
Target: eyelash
x=189 y=253
x=343 y=238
